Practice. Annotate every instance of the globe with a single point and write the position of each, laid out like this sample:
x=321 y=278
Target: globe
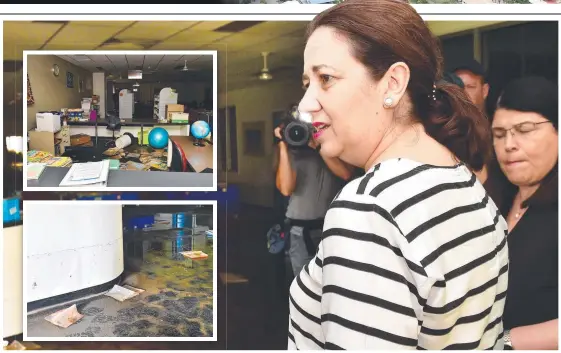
x=158 y=138
x=200 y=129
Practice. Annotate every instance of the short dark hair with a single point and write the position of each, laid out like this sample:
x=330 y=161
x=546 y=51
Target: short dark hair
x=532 y=94
x=474 y=67
x=383 y=32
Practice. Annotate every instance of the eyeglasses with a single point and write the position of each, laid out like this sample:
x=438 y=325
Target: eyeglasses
x=521 y=129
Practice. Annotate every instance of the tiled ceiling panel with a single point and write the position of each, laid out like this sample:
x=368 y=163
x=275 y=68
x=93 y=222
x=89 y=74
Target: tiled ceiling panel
x=119 y=61
x=279 y=28
x=122 y=46
x=135 y=61
x=157 y=62
x=152 y=61
x=196 y=38
x=177 y=46
x=155 y=31
x=70 y=46
x=89 y=34
x=239 y=53
x=27 y=32
x=205 y=26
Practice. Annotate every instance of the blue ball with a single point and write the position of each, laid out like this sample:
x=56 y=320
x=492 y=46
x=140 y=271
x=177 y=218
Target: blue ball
x=200 y=129
x=158 y=138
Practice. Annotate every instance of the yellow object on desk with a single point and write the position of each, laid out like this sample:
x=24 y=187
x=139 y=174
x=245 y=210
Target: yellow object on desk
x=143 y=138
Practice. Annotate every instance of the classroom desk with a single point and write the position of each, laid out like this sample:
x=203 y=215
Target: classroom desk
x=92 y=128
x=52 y=176
x=199 y=158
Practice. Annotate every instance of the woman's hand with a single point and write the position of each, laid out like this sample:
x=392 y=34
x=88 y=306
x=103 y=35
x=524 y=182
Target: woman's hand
x=313 y=143
x=277 y=133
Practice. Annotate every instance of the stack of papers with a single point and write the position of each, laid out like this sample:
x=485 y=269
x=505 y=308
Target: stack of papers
x=34 y=170
x=87 y=174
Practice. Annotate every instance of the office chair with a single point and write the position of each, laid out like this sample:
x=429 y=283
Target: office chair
x=177 y=161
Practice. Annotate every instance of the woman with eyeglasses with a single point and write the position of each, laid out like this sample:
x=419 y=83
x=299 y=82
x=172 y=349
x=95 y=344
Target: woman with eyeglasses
x=526 y=144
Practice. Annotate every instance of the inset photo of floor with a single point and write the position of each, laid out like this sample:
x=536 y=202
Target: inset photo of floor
x=112 y=270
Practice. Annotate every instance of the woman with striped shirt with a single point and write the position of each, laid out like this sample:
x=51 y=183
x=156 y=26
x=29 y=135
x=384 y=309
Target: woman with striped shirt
x=414 y=253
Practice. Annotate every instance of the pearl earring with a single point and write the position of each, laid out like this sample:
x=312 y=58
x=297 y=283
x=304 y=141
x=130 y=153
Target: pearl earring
x=388 y=102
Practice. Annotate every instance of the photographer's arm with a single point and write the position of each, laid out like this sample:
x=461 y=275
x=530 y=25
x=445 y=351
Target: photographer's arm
x=286 y=176
x=338 y=167
x=335 y=165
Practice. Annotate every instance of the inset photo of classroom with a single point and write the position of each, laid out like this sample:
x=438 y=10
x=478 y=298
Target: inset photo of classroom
x=119 y=270
x=120 y=120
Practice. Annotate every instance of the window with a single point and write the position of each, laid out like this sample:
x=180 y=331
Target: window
x=520 y=50
x=456 y=50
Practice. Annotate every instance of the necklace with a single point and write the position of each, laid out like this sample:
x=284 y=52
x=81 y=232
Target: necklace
x=520 y=209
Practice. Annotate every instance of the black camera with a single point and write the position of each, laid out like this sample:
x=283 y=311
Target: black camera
x=295 y=132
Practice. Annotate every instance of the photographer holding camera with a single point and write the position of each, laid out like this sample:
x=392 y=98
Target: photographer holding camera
x=310 y=180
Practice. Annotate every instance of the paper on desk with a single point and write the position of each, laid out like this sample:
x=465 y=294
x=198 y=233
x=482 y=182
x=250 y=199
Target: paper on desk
x=34 y=170
x=87 y=171
x=87 y=174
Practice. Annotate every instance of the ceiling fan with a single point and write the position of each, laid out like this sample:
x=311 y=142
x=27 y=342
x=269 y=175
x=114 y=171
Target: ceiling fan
x=267 y=74
x=182 y=68
x=264 y=74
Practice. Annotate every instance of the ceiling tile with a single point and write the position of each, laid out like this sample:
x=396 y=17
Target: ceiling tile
x=99 y=58
x=119 y=61
x=171 y=58
x=151 y=61
x=134 y=60
x=153 y=30
x=122 y=46
x=278 y=45
x=70 y=46
x=27 y=32
x=279 y=28
x=167 y=45
x=88 y=35
x=209 y=25
x=239 y=41
x=99 y=24
x=193 y=38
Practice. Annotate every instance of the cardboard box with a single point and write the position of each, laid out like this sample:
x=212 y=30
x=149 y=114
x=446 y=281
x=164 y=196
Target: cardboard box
x=44 y=141
x=180 y=117
x=173 y=108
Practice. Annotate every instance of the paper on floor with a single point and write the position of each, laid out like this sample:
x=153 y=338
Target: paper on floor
x=137 y=290
x=65 y=317
x=121 y=294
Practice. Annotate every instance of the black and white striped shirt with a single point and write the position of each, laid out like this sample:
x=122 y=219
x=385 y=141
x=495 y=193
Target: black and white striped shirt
x=413 y=257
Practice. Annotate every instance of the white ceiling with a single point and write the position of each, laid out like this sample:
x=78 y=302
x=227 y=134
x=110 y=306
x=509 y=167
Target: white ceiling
x=116 y=64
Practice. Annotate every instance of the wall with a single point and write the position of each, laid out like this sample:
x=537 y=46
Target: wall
x=50 y=92
x=255 y=175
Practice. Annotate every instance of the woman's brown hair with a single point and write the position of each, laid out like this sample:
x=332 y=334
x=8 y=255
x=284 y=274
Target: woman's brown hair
x=383 y=32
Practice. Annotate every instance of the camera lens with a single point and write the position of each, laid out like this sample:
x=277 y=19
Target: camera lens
x=297 y=133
